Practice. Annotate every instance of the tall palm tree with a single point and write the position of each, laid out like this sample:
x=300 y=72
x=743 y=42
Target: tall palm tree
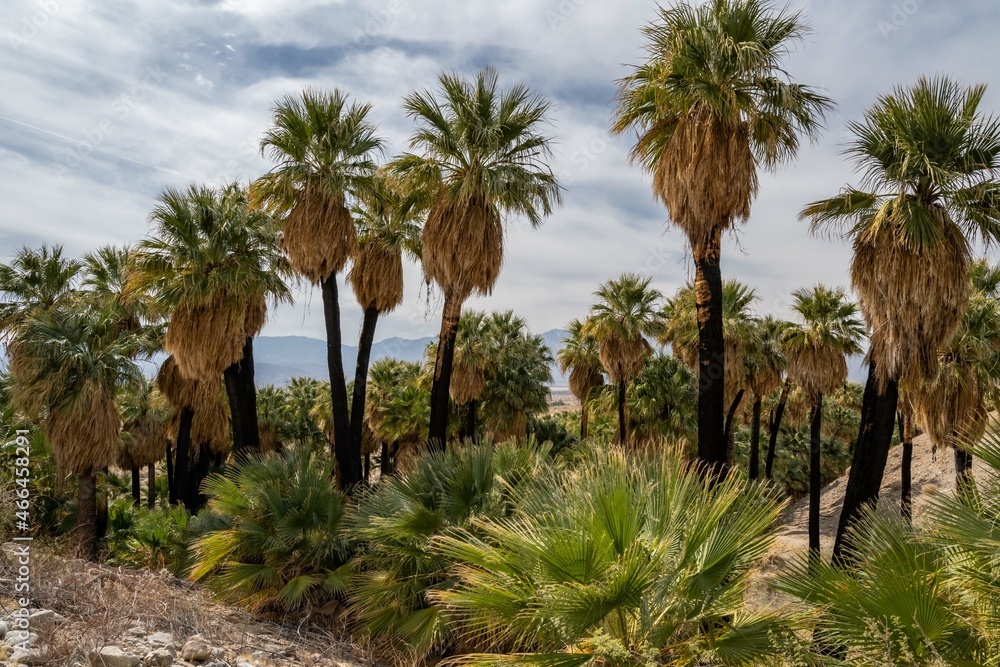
x=929 y=161
x=69 y=364
x=763 y=363
x=626 y=313
x=473 y=356
x=210 y=265
x=34 y=281
x=816 y=349
x=388 y=229
x=580 y=356
x=481 y=159
x=145 y=416
x=712 y=105
x=325 y=151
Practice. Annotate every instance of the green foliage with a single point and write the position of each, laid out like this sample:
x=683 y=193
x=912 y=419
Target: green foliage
x=152 y=539
x=791 y=457
x=623 y=560
x=553 y=433
x=398 y=521
x=272 y=538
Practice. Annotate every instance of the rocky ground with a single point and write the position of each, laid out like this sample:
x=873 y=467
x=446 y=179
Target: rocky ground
x=97 y=616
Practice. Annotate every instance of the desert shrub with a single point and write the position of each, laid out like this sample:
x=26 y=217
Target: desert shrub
x=552 y=432
x=272 y=537
x=149 y=538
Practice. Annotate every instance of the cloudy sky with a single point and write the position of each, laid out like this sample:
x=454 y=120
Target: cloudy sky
x=105 y=103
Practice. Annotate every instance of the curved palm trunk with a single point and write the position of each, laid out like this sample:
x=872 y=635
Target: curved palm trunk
x=730 y=418
x=347 y=455
x=815 y=479
x=878 y=421
x=470 y=420
x=182 y=459
x=86 y=515
x=151 y=485
x=136 y=487
x=772 y=444
x=361 y=378
x=755 y=441
x=584 y=418
x=712 y=446
x=906 y=481
x=622 y=426
x=242 y=395
x=437 y=439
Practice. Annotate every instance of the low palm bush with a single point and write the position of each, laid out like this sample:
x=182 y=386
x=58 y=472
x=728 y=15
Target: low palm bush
x=393 y=600
x=272 y=538
x=627 y=559
x=152 y=539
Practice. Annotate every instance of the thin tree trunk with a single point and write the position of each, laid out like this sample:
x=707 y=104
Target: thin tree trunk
x=815 y=478
x=584 y=418
x=136 y=487
x=438 y=437
x=622 y=426
x=346 y=452
x=86 y=515
x=730 y=418
x=878 y=421
x=151 y=485
x=102 y=506
x=470 y=420
x=906 y=481
x=182 y=461
x=755 y=441
x=772 y=444
x=383 y=461
x=368 y=468
x=712 y=445
x=361 y=377
x=963 y=467
x=171 y=484
x=242 y=395
x=200 y=468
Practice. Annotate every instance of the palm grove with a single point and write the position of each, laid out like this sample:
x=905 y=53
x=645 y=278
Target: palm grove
x=449 y=549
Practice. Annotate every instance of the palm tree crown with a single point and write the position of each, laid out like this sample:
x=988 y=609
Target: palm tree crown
x=626 y=312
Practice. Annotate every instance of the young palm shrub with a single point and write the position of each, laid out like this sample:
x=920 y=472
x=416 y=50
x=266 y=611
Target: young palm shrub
x=625 y=560
x=929 y=161
x=764 y=363
x=816 y=351
x=274 y=537
x=482 y=158
x=580 y=356
x=662 y=401
x=711 y=106
x=472 y=361
x=396 y=524
x=325 y=151
x=625 y=314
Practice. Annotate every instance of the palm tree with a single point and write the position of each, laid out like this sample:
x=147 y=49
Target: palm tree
x=482 y=159
x=662 y=401
x=472 y=359
x=70 y=362
x=34 y=281
x=581 y=357
x=764 y=363
x=816 y=350
x=739 y=331
x=388 y=377
x=928 y=160
x=387 y=229
x=145 y=416
x=325 y=152
x=711 y=106
x=210 y=264
x=626 y=312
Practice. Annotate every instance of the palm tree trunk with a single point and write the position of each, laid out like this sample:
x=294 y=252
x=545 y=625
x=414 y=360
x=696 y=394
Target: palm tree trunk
x=712 y=445
x=437 y=439
x=730 y=418
x=470 y=420
x=584 y=417
x=622 y=426
x=86 y=515
x=755 y=441
x=242 y=394
x=171 y=484
x=182 y=462
x=346 y=452
x=200 y=467
x=151 y=485
x=772 y=444
x=368 y=468
x=963 y=467
x=136 y=487
x=815 y=479
x=878 y=421
x=383 y=461
x=906 y=481
x=361 y=377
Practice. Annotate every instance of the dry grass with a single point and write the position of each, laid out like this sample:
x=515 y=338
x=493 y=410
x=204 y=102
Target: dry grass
x=463 y=247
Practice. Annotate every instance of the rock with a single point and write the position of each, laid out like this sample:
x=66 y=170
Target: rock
x=159 y=657
x=161 y=639
x=136 y=631
x=18 y=637
x=4 y=629
x=43 y=620
x=30 y=657
x=196 y=649
x=112 y=656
